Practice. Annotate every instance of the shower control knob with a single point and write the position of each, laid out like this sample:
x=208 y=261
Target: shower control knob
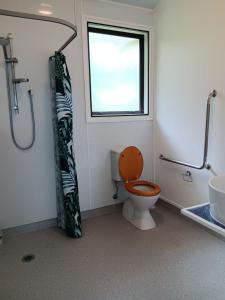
x=12 y=60
x=20 y=80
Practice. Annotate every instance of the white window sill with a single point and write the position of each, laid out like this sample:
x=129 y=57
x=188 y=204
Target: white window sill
x=117 y=119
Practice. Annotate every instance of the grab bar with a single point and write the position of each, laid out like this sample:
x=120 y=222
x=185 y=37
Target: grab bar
x=204 y=164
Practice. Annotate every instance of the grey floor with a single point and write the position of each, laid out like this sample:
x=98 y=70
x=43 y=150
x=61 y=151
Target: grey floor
x=177 y=260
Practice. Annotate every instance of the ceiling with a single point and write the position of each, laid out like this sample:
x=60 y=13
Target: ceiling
x=141 y=3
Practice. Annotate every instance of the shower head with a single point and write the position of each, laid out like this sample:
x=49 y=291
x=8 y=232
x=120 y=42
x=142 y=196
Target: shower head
x=4 y=41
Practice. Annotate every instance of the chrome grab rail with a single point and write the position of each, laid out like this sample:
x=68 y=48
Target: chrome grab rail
x=204 y=164
x=22 y=15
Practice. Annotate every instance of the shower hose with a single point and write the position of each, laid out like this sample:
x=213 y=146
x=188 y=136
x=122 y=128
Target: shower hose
x=32 y=121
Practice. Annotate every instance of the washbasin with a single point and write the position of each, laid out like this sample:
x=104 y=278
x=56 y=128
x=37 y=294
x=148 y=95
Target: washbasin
x=217 y=198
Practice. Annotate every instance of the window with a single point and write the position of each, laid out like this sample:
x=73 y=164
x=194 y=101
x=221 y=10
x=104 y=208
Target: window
x=118 y=71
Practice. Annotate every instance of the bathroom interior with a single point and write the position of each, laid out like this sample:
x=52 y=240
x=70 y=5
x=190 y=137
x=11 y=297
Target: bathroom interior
x=112 y=173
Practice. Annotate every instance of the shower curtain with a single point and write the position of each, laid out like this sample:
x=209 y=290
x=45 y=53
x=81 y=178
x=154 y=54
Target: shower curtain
x=68 y=208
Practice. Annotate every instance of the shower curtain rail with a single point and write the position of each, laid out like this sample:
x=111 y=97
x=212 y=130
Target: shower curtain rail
x=205 y=164
x=22 y=15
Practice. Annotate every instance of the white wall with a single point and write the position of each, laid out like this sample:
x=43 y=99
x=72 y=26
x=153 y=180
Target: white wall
x=27 y=179
x=190 y=63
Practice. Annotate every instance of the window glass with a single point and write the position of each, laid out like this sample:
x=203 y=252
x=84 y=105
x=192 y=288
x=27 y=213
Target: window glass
x=118 y=70
x=115 y=73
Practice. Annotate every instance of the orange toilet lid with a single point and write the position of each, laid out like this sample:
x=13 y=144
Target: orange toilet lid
x=131 y=163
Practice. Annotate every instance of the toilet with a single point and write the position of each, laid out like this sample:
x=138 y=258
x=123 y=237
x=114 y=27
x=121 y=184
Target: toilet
x=127 y=166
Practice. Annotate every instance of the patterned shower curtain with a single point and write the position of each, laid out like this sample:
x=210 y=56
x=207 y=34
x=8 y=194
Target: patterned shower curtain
x=68 y=208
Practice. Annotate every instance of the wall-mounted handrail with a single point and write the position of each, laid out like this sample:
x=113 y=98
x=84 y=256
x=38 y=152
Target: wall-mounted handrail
x=204 y=164
x=23 y=15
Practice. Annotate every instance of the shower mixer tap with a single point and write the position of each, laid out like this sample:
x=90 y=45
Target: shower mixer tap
x=20 y=80
x=16 y=81
x=11 y=60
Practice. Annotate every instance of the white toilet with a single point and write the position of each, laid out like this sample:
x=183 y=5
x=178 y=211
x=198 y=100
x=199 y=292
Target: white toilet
x=127 y=165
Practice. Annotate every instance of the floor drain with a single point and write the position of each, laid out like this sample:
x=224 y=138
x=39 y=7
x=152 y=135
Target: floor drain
x=28 y=258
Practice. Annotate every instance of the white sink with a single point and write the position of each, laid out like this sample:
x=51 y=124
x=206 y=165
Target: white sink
x=217 y=198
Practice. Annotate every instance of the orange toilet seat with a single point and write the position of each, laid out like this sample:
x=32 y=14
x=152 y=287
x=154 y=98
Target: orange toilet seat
x=132 y=187
x=131 y=166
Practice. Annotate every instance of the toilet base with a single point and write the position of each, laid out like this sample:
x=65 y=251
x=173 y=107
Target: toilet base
x=140 y=219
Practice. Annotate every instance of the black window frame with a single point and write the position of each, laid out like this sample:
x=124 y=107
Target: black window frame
x=112 y=31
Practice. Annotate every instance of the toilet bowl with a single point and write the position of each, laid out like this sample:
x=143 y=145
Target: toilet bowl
x=142 y=194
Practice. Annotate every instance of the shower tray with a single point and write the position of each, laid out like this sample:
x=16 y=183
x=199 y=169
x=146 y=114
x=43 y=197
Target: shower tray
x=201 y=214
